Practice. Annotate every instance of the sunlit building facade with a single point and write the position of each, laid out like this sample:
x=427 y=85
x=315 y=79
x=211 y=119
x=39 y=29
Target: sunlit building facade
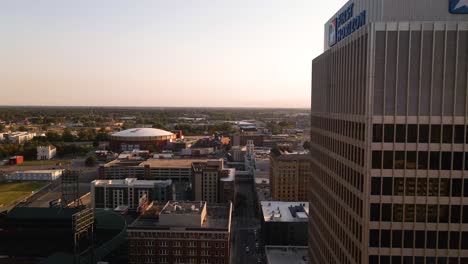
x=390 y=135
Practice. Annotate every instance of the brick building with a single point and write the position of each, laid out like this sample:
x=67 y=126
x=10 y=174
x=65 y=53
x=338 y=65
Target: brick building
x=181 y=232
x=289 y=176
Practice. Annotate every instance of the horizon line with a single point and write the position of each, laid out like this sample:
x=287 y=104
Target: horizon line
x=135 y=107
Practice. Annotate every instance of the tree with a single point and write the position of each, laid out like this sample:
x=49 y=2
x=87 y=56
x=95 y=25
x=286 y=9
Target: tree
x=91 y=161
x=67 y=135
x=102 y=137
x=53 y=136
x=159 y=126
x=22 y=129
x=83 y=135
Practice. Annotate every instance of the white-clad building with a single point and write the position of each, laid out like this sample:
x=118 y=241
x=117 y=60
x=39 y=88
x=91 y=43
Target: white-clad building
x=46 y=152
x=19 y=137
x=129 y=192
x=35 y=175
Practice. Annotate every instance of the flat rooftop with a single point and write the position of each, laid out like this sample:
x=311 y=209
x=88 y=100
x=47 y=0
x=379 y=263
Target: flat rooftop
x=183 y=208
x=217 y=216
x=286 y=255
x=130 y=182
x=229 y=174
x=123 y=163
x=36 y=213
x=171 y=163
x=274 y=211
x=293 y=156
x=39 y=171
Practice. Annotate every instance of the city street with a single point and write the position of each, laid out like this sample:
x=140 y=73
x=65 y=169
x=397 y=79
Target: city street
x=244 y=224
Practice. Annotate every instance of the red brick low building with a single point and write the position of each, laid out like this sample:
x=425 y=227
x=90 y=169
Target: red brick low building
x=16 y=160
x=181 y=232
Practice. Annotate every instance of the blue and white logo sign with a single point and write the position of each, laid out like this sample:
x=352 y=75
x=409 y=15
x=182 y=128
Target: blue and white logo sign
x=458 y=6
x=332 y=33
x=345 y=24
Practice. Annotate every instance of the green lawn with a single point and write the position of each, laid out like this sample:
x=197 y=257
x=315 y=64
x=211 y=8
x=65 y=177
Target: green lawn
x=44 y=162
x=14 y=191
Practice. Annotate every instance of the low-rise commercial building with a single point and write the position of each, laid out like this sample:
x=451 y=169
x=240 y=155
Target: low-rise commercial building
x=241 y=139
x=197 y=152
x=35 y=175
x=129 y=192
x=46 y=152
x=181 y=232
x=19 y=137
x=194 y=179
x=15 y=160
x=285 y=223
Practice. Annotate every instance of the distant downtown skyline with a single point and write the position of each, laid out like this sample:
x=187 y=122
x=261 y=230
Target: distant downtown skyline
x=160 y=53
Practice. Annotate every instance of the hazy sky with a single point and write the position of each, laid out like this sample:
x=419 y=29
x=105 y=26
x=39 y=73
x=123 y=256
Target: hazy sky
x=250 y=53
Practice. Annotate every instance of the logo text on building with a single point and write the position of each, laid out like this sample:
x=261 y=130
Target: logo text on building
x=345 y=24
x=458 y=6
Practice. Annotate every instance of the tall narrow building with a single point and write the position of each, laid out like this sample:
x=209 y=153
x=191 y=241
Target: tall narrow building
x=389 y=137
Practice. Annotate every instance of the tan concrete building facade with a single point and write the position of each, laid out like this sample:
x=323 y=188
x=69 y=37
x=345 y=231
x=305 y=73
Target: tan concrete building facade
x=389 y=135
x=289 y=176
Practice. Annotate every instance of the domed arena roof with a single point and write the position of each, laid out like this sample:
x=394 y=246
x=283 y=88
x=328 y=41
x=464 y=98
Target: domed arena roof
x=142 y=132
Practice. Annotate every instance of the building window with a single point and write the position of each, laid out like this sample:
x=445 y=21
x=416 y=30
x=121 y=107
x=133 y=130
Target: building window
x=377 y=133
x=387 y=186
x=388 y=160
x=388 y=132
x=374 y=238
x=435 y=133
x=408 y=239
x=376 y=159
x=375 y=185
x=400 y=133
x=375 y=212
x=397 y=236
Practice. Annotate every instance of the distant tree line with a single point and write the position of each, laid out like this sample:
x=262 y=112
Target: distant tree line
x=193 y=130
x=29 y=149
x=63 y=143
x=92 y=117
x=277 y=127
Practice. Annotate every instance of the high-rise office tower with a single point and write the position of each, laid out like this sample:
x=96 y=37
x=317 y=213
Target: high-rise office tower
x=390 y=136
